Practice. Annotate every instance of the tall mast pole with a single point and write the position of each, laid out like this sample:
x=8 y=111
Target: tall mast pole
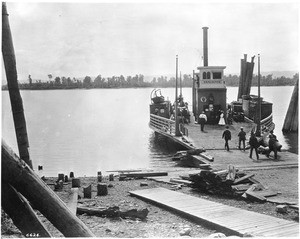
x=259 y=101
x=177 y=133
x=180 y=85
x=9 y=60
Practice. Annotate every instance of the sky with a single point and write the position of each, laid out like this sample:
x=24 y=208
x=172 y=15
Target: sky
x=76 y=39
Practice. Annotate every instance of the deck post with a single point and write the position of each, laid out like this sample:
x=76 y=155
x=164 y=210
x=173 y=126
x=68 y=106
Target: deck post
x=177 y=133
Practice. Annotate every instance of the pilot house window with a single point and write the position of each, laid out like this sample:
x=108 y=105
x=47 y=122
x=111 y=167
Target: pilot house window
x=206 y=75
x=217 y=75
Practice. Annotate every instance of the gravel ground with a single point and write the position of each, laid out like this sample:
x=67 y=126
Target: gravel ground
x=161 y=222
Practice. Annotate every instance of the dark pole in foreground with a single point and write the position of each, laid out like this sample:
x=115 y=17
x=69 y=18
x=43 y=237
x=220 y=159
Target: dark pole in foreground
x=259 y=101
x=176 y=103
x=13 y=88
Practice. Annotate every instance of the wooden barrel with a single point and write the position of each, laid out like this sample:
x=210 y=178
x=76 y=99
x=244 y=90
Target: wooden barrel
x=71 y=175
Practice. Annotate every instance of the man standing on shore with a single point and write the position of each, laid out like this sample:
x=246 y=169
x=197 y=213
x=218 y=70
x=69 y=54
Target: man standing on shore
x=202 y=120
x=227 y=136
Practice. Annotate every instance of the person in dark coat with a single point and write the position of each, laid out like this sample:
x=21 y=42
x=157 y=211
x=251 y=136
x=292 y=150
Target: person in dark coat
x=242 y=138
x=253 y=145
x=227 y=136
x=272 y=142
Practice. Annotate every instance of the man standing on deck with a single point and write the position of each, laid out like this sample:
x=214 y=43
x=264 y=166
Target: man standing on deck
x=227 y=136
x=253 y=145
x=242 y=138
x=202 y=120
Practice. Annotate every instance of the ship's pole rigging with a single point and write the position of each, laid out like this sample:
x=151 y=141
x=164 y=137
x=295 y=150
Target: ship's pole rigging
x=177 y=133
x=258 y=126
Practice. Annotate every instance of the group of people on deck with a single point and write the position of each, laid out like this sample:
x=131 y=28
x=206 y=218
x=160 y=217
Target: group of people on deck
x=253 y=141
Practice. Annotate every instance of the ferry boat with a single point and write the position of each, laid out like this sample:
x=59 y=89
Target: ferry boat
x=209 y=95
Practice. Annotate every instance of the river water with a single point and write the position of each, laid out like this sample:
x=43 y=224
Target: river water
x=86 y=131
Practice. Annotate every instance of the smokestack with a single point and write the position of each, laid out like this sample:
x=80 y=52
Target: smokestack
x=205 y=48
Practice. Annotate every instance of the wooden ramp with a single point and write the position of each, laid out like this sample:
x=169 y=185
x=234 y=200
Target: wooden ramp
x=224 y=218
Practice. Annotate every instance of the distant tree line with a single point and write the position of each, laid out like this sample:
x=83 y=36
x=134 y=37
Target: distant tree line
x=268 y=80
x=138 y=81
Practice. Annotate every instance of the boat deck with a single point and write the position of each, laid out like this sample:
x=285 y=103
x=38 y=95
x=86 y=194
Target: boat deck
x=222 y=217
x=211 y=140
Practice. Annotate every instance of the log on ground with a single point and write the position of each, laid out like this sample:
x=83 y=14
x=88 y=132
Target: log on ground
x=21 y=213
x=113 y=212
x=17 y=173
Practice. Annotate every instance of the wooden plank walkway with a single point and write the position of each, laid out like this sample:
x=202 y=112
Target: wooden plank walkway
x=222 y=217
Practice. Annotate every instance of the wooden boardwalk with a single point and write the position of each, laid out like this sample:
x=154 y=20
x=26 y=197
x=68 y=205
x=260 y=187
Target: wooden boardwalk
x=224 y=218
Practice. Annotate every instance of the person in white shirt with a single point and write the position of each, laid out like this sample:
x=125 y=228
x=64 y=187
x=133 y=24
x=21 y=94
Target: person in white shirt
x=202 y=120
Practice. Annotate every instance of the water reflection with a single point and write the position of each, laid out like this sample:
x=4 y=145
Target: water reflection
x=161 y=151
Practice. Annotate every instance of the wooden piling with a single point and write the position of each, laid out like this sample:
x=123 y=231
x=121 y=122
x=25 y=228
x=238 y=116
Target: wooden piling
x=71 y=174
x=60 y=177
x=75 y=183
x=24 y=180
x=291 y=117
x=242 y=77
x=249 y=75
x=99 y=176
x=111 y=177
x=87 y=192
x=102 y=189
x=9 y=61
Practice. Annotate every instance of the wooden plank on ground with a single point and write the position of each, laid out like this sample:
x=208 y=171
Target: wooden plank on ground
x=180 y=181
x=72 y=200
x=281 y=200
x=239 y=180
x=144 y=174
x=207 y=157
x=124 y=170
x=222 y=217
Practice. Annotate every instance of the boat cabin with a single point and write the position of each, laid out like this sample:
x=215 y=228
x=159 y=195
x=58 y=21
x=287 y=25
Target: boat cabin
x=209 y=89
x=209 y=93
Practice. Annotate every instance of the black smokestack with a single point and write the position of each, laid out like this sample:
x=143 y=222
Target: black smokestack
x=205 y=48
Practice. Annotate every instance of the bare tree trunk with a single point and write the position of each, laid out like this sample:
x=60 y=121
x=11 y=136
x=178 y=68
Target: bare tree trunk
x=24 y=180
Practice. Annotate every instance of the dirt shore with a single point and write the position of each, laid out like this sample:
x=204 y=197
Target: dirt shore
x=161 y=222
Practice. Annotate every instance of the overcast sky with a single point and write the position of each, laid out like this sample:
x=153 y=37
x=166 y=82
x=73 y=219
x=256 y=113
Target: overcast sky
x=78 y=39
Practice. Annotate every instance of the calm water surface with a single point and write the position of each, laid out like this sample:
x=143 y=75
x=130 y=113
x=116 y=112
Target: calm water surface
x=86 y=131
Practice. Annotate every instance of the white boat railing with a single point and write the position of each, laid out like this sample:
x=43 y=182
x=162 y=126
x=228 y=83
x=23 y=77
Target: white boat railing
x=267 y=122
x=161 y=124
x=165 y=125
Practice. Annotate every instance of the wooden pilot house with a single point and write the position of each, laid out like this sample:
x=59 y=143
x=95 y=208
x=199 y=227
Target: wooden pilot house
x=209 y=89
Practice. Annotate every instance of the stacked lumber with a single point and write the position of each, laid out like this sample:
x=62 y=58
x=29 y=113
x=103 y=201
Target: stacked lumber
x=231 y=182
